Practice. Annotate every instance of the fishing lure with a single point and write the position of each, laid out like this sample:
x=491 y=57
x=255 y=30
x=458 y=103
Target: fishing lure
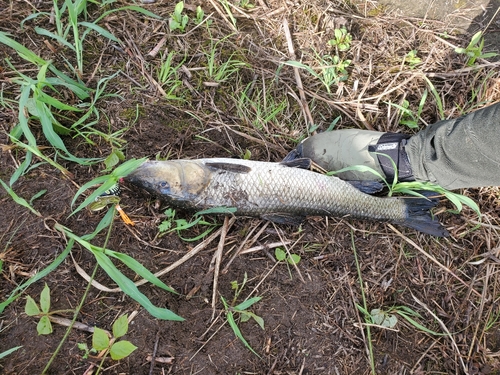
x=111 y=196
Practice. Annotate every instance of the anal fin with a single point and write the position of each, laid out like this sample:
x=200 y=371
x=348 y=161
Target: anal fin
x=283 y=218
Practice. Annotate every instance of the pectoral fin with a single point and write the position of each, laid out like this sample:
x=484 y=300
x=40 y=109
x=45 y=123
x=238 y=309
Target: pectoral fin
x=368 y=187
x=302 y=163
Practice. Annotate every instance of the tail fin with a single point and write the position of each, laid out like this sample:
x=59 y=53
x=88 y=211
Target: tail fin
x=420 y=218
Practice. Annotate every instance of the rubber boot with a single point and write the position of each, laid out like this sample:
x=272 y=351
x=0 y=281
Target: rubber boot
x=339 y=149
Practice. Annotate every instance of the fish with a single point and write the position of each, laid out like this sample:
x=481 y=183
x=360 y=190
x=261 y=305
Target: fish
x=284 y=193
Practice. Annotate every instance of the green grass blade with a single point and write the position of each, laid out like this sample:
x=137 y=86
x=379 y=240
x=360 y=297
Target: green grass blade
x=52 y=266
x=103 y=224
x=139 y=269
x=124 y=283
x=360 y=168
x=19 y=200
x=105 y=33
x=134 y=8
x=43 y=97
x=106 y=182
x=22 y=117
x=235 y=328
x=78 y=89
x=38 y=153
x=7 y=352
x=130 y=289
x=23 y=167
x=21 y=50
x=58 y=38
x=439 y=102
x=418 y=325
x=246 y=304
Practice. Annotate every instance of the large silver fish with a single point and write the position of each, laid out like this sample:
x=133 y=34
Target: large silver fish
x=275 y=191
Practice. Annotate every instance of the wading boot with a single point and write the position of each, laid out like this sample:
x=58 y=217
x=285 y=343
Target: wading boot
x=339 y=149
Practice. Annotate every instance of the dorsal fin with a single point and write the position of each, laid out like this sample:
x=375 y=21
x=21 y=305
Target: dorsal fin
x=229 y=167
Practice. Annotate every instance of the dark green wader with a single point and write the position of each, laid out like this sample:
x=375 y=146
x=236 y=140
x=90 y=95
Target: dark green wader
x=459 y=153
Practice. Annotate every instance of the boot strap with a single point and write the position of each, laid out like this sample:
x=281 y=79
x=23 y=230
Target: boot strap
x=390 y=149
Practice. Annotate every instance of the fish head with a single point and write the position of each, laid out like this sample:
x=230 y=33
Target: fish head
x=173 y=181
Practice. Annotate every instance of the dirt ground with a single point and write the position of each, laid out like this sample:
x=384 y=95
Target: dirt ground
x=312 y=324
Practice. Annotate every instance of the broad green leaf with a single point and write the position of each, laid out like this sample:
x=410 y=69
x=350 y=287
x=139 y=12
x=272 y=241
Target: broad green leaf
x=106 y=182
x=45 y=299
x=104 y=223
x=121 y=349
x=125 y=284
x=244 y=316
x=31 y=308
x=475 y=39
x=280 y=254
x=128 y=167
x=383 y=319
x=100 y=339
x=120 y=326
x=111 y=161
x=258 y=319
x=43 y=97
x=23 y=120
x=179 y=7
x=44 y=327
x=294 y=259
x=22 y=51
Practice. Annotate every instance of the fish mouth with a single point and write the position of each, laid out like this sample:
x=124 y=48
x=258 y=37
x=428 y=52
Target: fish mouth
x=143 y=177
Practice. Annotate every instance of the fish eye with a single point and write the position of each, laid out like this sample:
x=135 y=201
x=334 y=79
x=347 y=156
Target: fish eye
x=164 y=187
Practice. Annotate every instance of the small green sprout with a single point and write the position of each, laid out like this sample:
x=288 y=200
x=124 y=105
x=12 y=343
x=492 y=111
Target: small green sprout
x=412 y=59
x=291 y=260
x=246 y=4
x=200 y=15
x=117 y=349
x=242 y=310
x=170 y=224
x=408 y=117
x=474 y=50
x=342 y=39
x=83 y=346
x=178 y=21
x=281 y=255
x=388 y=318
x=44 y=326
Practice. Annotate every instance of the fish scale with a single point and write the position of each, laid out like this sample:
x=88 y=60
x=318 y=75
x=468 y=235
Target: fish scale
x=276 y=192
